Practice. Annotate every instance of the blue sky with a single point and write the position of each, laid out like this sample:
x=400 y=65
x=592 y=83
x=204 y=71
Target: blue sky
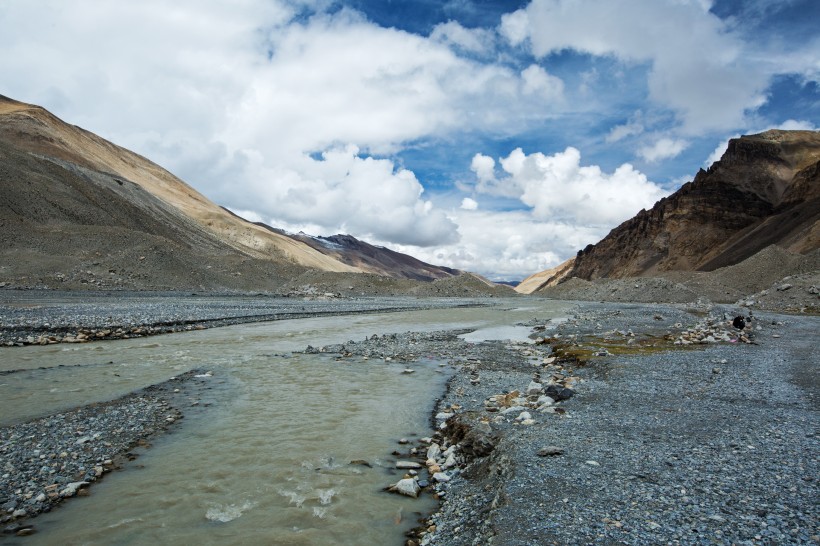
x=493 y=136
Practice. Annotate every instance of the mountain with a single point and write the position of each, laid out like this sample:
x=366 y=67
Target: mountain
x=376 y=259
x=80 y=212
x=765 y=190
x=545 y=279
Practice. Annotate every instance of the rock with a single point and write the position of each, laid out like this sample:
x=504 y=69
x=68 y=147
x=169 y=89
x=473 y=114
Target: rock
x=408 y=371
x=558 y=393
x=550 y=451
x=544 y=401
x=783 y=287
x=433 y=451
x=26 y=531
x=450 y=461
x=406 y=465
x=19 y=513
x=443 y=416
x=441 y=477
x=407 y=487
x=739 y=322
x=534 y=388
x=71 y=489
x=523 y=416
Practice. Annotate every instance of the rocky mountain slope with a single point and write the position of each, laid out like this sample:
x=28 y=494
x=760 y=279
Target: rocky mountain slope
x=79 y=212
x=764 y=190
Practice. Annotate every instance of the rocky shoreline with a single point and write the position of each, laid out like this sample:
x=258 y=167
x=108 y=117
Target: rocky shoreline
x=627 y=424
x=53 y=458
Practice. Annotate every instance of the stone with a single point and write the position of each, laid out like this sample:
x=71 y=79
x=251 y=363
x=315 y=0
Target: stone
x=534 y=388
x=450 y=461
x=544 y=401
x=71 y=489
x=406 y=465
x=523 y=416
x=407 y=487
x=558 y=393
x=433 y=451
x=443 y=416
x=441 y=477
x=550 y=451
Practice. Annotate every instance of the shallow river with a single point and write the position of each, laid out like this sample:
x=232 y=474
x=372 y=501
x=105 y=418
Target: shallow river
x=269 y=462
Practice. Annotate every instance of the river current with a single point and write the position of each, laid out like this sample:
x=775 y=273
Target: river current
x=269 y=461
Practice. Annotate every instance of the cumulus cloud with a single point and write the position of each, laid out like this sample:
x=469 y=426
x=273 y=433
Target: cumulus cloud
x=558 y=187
x=697 y=65
x=469 y=204
x=508 y=244
x=664 y=148
x=472 y=40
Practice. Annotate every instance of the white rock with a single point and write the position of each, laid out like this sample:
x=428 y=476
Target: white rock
x=545 y=400
x=408 y=487
x=523 y=416
x=512 y=409
x=407 y=465
x=71 y=489
x=528 y=422
x=441 y=477
x=444 y=415
x=433 y=451
x=593 y=463
x=534 y=388
x=450 y=461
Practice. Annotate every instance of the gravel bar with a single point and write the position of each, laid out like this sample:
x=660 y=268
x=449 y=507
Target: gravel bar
x=53 y=458
x=30 y=317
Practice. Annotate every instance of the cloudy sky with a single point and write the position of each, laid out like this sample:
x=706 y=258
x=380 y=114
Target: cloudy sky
x=493 y=136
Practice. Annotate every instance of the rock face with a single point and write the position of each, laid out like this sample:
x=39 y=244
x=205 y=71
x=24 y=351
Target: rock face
x=765 y=190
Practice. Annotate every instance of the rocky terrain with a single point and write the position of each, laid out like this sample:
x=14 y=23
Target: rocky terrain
x=627 y=424
x=54 y=458
x=765 y=190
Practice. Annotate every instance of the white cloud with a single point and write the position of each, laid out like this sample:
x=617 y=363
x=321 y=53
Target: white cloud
x=798 y=125
x=508 y=245
x=664 y=148
x=472 y=40
x=697 y=66
x=537 y=81
x=558 y=188
x=469 y=204
x=620 y=132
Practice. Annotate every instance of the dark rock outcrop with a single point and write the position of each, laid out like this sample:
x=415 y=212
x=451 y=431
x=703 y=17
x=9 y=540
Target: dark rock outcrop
x=764 y=190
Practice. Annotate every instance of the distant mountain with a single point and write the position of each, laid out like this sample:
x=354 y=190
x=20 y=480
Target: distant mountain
x=545 y=279
x=80 y=212
x=765 y=190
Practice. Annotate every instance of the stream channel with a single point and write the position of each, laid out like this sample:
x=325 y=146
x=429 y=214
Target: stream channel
x=269 y=461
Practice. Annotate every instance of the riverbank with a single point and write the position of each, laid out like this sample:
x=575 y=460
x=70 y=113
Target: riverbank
x=710 y=442
x=54 y=458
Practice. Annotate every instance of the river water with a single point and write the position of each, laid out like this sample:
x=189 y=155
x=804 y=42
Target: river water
x=269 y=462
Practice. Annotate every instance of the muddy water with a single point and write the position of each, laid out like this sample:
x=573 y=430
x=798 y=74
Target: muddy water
x=270 y=462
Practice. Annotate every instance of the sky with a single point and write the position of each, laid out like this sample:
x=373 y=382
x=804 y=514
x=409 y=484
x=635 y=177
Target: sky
x=498 y=137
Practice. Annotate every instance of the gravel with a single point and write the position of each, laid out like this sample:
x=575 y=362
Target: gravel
x=53 y=458
x=47 y=317
x=708 y=444
x=620 y=433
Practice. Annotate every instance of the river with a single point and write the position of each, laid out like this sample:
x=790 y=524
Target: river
x=269 y=461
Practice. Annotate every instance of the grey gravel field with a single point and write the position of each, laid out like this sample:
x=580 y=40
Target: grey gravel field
x=44 y=317
x=712 y=443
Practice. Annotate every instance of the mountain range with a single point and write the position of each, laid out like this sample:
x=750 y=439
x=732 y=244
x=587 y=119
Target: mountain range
x=81 y=212
x=763 y=192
